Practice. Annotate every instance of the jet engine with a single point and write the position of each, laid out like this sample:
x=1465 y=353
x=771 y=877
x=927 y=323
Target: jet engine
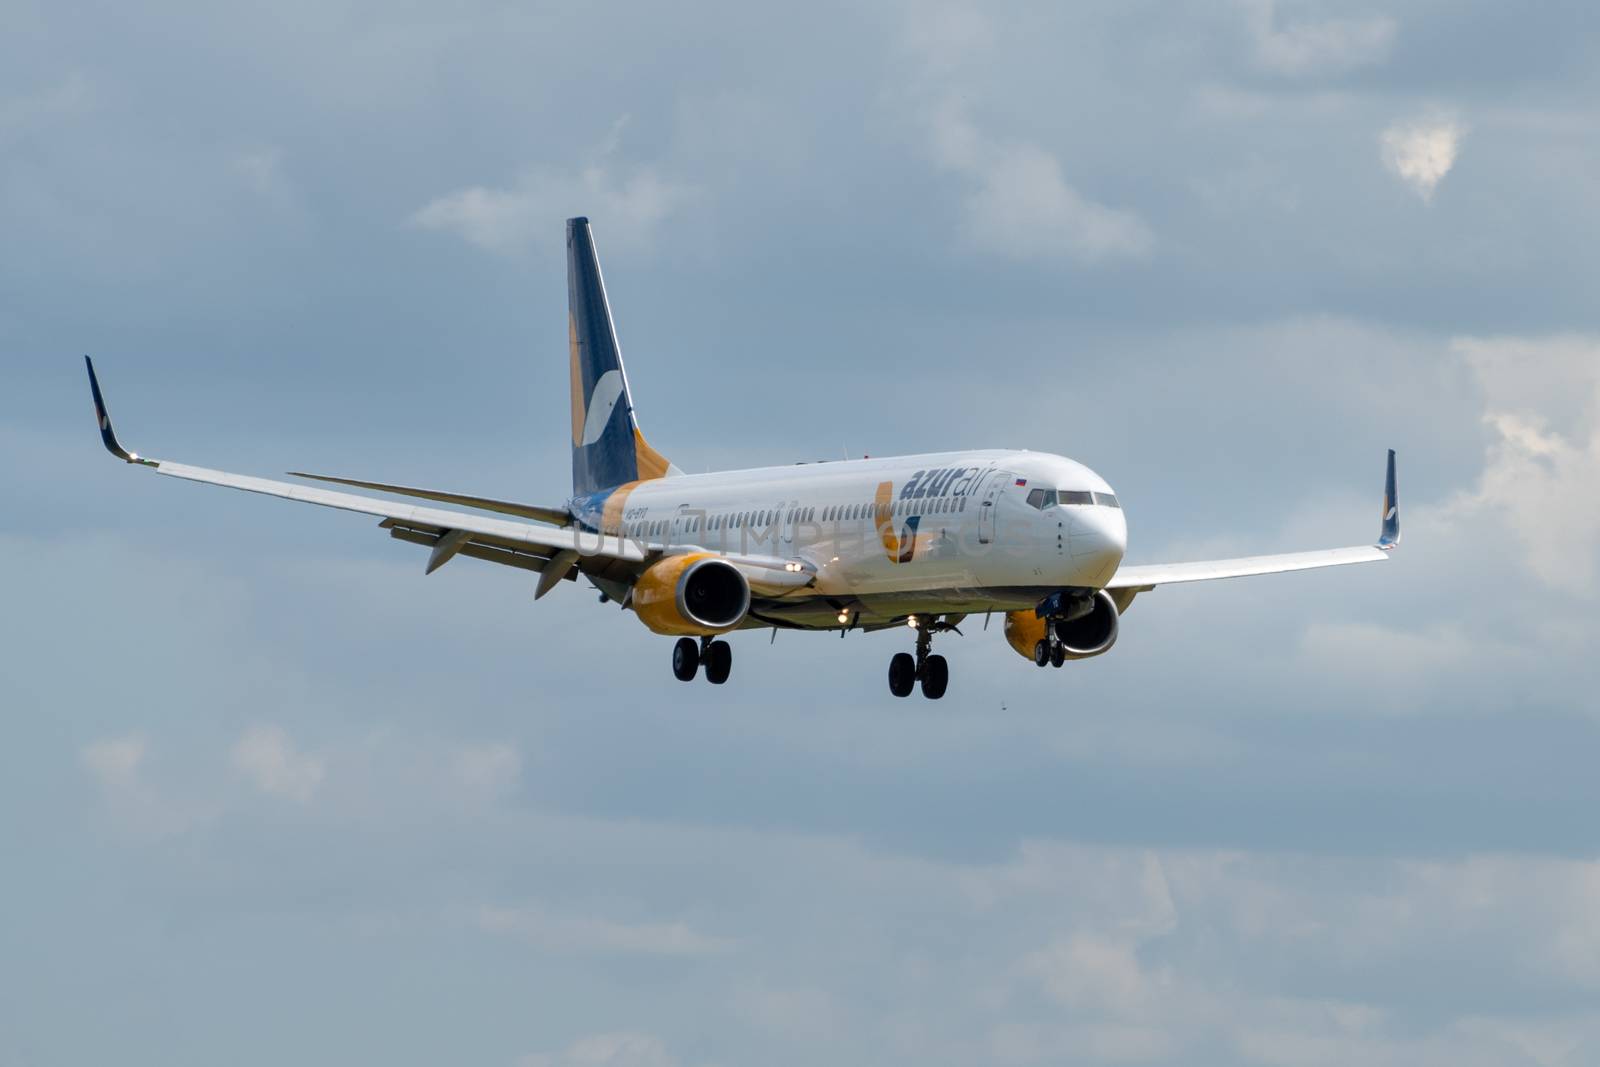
x=694 y=594
x=1087 y=631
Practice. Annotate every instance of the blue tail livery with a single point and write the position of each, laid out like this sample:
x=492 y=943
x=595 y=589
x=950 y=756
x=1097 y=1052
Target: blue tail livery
x=607 y=448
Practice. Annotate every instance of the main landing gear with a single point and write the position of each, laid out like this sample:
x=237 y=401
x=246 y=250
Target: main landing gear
x=931 y=670
x=1051 y=652
x=688 y=654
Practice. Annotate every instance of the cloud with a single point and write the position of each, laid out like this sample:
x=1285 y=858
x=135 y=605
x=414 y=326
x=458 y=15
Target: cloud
x=487 y=770
x=797 y=1013
x=627 y=207
x=571 y=933
x=1420 y=153
x=115 y=761
x=1021 y=205
x=135 y=805
x=1087 y=971
x=41 y=110
x=1541 y=475
x=607 y=1050
x=268 y=758
x=261 y=170
x=946 y=37
x=1317 y=47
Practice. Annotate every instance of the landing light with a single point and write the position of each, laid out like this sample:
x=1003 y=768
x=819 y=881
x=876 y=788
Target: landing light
x=911 y=621
x=844 y=616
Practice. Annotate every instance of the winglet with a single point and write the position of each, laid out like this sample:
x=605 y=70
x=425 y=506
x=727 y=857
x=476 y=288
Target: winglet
x=107 y=434
x=1390 y=537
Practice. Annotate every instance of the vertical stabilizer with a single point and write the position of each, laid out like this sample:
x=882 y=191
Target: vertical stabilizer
x=607 y=448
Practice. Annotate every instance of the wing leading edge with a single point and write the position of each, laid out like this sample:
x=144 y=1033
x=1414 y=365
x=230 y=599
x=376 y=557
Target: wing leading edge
x=543 y=542
x=1144 y=577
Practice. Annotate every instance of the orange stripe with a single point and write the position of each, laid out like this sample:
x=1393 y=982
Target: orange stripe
x=611 y=514
x=577 y=381
x=652 y=464
x=884 y=517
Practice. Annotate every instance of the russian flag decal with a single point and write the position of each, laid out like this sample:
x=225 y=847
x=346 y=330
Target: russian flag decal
x=1022 y=481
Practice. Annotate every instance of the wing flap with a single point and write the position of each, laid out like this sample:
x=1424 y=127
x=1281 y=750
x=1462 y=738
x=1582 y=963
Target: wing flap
x=512 y=534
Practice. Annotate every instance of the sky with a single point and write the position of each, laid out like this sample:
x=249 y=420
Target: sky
x=267 y=793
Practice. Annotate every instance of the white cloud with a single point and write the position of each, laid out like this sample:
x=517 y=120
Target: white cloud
x=1541 y=476
x=627 y=208
x=1093 y=972
x=1021 y=205
x=487 y=770
x=115 y=761
x=268 y=758
x=572 y=933
x=261 y=170
x=607 y=1050
x=1422 y=152
x=1317 y=47
x=790 y=1012
x=138 y=808
x=74 y=95
x=948 y=36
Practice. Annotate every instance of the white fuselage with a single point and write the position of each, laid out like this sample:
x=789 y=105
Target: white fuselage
x=956 y=531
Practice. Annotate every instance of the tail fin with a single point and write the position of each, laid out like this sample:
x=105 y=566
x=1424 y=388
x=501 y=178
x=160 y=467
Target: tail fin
x=607 y=448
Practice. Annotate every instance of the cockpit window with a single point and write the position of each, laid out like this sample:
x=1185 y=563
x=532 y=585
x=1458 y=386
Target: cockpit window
x=1106 y=500
x=1075 y=496
x=1036 y=498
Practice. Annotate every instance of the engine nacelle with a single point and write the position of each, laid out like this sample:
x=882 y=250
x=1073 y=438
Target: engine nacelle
x=695 y=594
x=1088 y=634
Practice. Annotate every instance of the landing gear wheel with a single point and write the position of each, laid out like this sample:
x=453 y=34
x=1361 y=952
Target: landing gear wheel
x=1041 y=653
x=902 y=674
x=935 y=677
x=1058 y=654
x=685 y=659
x=719 y=662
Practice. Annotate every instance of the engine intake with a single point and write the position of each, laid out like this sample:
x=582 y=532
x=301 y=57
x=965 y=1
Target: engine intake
x=1086 y=628
x=692 y=594
x=1092 y=632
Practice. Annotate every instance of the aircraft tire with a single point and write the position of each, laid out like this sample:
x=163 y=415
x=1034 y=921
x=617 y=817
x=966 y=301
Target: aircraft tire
x=1041 y=653
x=719 y=662
x=1058 y=654
x=902 y=674
x=935 y=677
x=685 y=659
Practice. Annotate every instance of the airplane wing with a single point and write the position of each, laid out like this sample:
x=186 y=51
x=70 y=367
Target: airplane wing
x=537 y=512
x=1144 y=577
x=554 y=551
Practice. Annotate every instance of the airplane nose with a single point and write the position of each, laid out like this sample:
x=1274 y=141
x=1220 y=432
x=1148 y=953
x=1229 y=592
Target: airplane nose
x=1096 y=542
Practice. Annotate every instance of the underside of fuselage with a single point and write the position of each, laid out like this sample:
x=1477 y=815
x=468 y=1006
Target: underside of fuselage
x=878 y=611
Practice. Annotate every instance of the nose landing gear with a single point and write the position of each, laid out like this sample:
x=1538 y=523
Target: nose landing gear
x=928 y=668
x=688 y=655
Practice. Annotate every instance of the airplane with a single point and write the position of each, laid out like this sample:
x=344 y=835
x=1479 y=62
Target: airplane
x=915 y=542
